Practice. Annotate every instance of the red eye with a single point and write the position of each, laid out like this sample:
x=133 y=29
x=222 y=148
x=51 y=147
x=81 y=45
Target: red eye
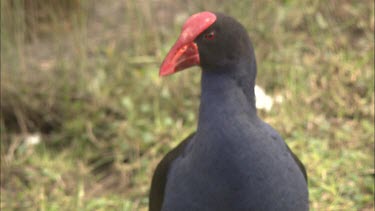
x=209 y=35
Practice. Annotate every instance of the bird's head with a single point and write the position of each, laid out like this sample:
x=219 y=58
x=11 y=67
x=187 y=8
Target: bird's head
x=210 y=40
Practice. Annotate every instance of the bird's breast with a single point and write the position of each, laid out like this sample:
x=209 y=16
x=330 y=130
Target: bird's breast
x=225 y=166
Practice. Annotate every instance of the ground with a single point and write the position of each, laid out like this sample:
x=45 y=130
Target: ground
x=85 y=117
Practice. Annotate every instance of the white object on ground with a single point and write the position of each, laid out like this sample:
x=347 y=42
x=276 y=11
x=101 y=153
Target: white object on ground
x=262 y=100
x=32 y=139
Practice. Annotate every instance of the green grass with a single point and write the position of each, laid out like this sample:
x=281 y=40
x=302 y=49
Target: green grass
x=85 y=77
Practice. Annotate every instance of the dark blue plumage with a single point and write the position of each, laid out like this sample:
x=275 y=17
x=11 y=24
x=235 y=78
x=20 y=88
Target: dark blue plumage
x=234 y=161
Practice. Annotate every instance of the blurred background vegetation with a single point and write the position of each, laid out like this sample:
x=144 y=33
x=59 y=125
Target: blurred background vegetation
x=85 y=117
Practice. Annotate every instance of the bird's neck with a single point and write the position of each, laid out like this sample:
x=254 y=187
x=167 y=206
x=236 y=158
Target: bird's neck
x=227 y=94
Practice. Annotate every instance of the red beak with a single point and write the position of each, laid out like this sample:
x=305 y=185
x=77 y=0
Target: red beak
x=184 y=52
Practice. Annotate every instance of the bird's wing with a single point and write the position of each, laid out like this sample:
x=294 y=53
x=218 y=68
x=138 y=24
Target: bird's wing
x=299 y=163
x=276 y=135
x=159 y=179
